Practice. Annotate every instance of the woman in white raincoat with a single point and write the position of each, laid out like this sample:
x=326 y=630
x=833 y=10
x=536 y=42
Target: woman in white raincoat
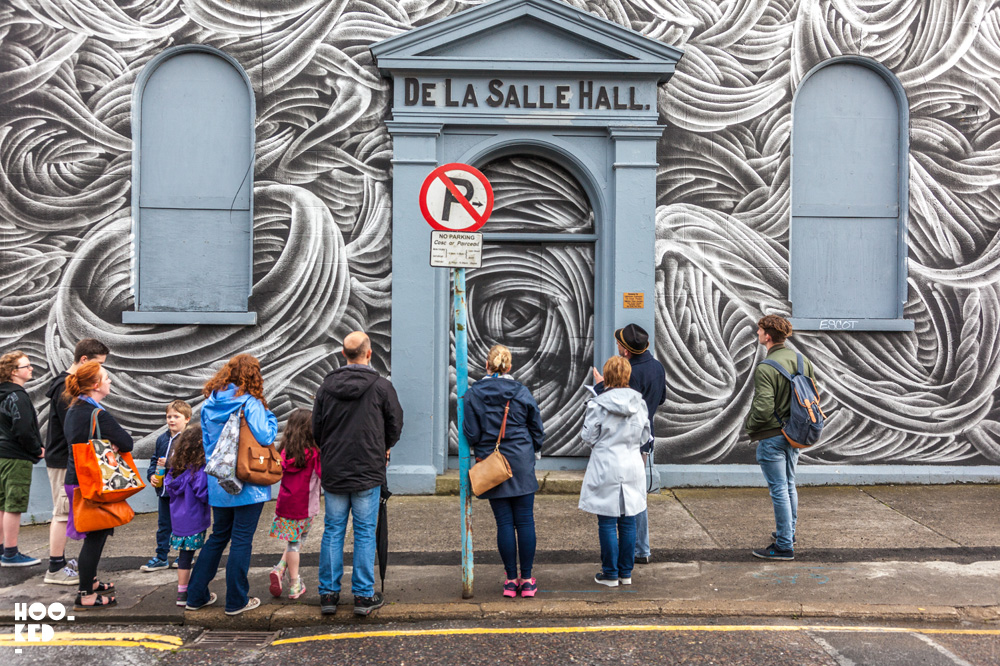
x=616 y=424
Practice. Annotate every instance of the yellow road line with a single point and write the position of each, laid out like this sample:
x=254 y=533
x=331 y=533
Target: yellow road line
x=165 y=642
x=152 y=641
x=482 y=631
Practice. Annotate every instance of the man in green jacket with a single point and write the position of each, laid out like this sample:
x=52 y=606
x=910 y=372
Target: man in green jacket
x=772 y=398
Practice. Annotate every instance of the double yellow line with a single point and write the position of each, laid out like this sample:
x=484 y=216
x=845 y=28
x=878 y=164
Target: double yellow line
x=164 y=642
x=151 y=641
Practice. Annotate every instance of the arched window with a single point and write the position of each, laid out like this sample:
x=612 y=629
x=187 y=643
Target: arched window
x=192 y=189
x=849 y=191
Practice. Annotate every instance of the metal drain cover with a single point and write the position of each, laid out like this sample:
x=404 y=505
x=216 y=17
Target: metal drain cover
x=233 y=640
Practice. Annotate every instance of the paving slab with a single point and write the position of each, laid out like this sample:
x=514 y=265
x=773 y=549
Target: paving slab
x=967 y=515
x=829 y=518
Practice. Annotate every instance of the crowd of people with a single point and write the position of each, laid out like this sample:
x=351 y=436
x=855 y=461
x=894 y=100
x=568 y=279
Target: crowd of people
x=339 y=451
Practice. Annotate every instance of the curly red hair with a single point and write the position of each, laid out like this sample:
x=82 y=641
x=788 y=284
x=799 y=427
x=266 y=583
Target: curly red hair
x=243 y=370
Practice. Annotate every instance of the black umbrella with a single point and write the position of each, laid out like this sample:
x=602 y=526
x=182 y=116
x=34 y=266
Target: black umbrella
x=382 y=533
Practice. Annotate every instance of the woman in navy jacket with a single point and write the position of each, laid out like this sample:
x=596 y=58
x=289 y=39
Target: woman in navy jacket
x=513 y=501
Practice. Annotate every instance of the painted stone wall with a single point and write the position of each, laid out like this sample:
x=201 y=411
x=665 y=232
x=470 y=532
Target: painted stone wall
x=322 y=206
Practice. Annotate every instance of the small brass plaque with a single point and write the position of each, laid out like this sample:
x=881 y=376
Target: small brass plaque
x=633 y=300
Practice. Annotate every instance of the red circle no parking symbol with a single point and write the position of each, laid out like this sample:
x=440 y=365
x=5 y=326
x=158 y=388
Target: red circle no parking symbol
x=456 y=197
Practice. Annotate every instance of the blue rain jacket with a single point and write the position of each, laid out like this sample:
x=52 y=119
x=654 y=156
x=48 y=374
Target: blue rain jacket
x=263 y=424
x=484 y=404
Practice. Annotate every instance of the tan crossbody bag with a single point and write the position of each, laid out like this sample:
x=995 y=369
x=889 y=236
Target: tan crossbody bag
x=494 y=469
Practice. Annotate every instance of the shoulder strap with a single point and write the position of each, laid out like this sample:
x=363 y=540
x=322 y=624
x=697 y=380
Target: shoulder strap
x=503 y=425
x=95 y=427
x=777 y=366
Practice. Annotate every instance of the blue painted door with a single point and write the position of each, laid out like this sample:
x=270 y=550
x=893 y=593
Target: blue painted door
x=845 y=196
x=194 y=240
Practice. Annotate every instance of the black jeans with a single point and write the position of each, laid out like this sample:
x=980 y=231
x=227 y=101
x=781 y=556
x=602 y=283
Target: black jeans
x=90 y=556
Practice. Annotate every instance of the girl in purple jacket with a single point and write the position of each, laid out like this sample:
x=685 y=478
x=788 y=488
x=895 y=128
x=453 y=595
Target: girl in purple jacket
x=186 y=484
x=298 y=499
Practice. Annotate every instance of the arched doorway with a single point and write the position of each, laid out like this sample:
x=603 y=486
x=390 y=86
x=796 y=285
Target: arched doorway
x=535 y=291
x=573 y=89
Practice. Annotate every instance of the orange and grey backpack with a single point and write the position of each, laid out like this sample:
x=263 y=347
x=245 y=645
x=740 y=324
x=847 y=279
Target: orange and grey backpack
x=805 y=421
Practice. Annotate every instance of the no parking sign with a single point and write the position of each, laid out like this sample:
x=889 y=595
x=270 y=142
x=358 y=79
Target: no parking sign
x=456 y=197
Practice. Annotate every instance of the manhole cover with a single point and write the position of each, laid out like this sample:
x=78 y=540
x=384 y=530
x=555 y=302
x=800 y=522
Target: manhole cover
x=233 y=640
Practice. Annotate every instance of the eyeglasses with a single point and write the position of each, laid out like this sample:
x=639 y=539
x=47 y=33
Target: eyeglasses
x=22 y=367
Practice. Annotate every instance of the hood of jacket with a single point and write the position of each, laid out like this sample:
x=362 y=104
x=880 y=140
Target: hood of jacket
x=621 y=401
x=57 y=386
x=496 y=390
x=10 y=387
x=350 y=382
x=223 y=404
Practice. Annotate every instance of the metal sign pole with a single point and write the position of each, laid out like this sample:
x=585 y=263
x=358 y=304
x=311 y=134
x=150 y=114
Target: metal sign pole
x=456 y=200
x=464 y=454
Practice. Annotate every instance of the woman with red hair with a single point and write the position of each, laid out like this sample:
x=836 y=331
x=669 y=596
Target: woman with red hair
x=84 y=391
x=237 y=386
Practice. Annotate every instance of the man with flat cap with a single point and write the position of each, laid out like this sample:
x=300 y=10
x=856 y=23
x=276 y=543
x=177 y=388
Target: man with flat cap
x=649 y=378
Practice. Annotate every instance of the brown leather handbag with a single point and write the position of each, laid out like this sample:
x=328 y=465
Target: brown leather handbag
x=256 y=463
x=494 y=469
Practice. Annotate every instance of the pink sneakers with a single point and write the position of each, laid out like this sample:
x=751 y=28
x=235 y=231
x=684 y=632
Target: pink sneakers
x=510 y=588
x=528 y=587
x=277 y=573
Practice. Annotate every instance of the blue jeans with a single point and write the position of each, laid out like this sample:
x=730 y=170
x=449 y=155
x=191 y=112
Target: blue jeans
x=642 y=534
x=617 y=536
x=363 y=508
x=238 y=524
x=777 y=460
x=515 y=514
x=163 y=528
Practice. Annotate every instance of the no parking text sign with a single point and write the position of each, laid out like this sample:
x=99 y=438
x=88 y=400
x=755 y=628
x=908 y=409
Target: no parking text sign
x=456 y=199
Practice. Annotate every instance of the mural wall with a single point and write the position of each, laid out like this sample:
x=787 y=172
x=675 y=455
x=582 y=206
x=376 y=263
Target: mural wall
x=322 y=206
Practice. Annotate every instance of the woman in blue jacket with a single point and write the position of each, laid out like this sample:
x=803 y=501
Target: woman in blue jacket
x=513 y=501
x=238 y=385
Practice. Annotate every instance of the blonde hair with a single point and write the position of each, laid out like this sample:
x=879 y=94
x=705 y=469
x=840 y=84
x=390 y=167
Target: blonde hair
x=181 y=408
x=617 y=372
x=499 y=359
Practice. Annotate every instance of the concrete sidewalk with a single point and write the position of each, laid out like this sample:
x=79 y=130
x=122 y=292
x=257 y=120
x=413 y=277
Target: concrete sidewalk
x=896 y=553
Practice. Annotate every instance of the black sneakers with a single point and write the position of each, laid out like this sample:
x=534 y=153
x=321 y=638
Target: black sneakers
x=328 y=603
x=772 y=552
x=365 y=605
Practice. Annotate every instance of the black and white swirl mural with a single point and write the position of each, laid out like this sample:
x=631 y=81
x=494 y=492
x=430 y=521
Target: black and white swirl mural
x=322 y=213
x=537 y=298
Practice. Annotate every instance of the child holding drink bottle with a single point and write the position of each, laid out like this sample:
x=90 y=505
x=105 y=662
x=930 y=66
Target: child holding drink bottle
x=178 y=415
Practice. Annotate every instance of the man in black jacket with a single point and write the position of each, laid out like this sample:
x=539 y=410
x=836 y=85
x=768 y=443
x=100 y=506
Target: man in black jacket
x=20 y=448
x=650 y=379
x=61 y=572
x=356 y=420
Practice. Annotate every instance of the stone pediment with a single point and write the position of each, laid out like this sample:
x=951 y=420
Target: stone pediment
x=525 y=36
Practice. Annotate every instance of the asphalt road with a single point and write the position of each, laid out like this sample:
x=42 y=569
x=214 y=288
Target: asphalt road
x=725 y=642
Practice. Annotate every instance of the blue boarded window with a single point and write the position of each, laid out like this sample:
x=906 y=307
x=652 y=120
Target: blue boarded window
x=849 y=190
x=192 y=190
